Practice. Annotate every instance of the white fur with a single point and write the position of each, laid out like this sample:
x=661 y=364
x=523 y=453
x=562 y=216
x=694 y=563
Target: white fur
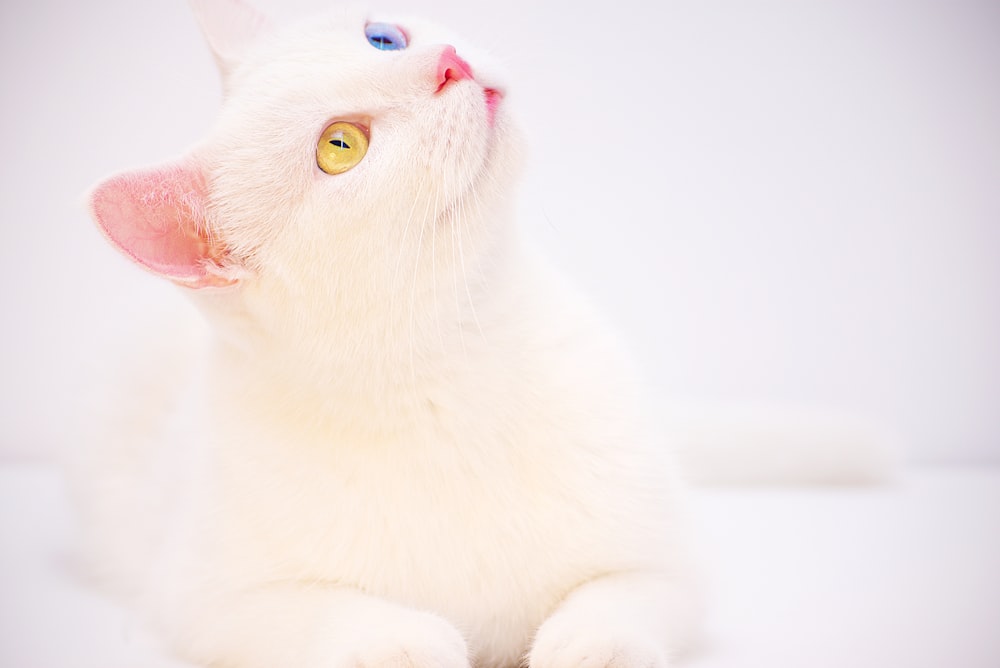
x=403 y=440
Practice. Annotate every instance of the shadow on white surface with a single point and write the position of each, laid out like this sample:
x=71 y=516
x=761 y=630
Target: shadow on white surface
x=48 y=619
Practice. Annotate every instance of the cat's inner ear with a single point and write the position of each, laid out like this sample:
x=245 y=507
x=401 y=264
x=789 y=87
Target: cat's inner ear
x=230 y=27
x=156 y=217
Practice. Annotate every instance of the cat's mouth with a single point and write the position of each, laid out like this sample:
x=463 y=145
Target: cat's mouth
x=493 y=98
x=452 y=70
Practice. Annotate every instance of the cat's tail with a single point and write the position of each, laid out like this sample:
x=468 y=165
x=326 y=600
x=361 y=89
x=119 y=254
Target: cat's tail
x=776 y=445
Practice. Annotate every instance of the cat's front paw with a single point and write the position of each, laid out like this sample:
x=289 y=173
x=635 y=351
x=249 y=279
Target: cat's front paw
x=566 y=642
x=414 y=640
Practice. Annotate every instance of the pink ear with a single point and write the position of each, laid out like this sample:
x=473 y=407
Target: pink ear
x=156 y=217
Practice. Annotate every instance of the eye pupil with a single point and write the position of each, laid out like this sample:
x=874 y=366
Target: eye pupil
x=340 y=143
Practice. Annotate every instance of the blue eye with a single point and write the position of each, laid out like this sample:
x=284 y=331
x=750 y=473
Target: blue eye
x=385 y=36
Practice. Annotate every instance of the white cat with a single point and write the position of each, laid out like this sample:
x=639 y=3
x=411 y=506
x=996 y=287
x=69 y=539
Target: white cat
x=401 y=439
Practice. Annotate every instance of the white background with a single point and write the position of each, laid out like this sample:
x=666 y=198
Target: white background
x=774 y=200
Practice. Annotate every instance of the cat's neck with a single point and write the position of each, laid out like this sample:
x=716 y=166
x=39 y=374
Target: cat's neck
x=376 y=344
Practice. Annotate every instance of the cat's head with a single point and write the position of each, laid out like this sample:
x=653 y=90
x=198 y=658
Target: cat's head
x=352 y=153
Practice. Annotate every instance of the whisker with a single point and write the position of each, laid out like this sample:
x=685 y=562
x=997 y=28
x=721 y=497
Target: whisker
x=413 y=293
x=465 y=275
x=459 y=210
x=403 y=245
x=483 y=282
x=434 y=283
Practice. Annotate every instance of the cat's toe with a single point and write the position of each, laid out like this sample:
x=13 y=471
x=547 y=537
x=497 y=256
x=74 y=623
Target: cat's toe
x=560 y=645
x=418 y=641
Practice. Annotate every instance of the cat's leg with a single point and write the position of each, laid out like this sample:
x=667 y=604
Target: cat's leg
x=629 y=620
x=312 y=626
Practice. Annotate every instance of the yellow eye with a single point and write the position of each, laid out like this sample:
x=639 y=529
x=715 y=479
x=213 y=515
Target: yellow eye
x=341 y=147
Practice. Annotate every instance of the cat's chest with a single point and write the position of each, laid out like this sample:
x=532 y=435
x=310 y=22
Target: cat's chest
x=470 y=530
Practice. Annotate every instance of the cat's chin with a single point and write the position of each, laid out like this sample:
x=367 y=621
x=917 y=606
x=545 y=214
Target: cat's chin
x=490 y=175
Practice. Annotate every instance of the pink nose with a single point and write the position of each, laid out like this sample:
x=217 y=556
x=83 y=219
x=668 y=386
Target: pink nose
x=451 y=68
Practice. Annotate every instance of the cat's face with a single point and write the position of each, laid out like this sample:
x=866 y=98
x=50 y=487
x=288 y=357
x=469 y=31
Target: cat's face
x=438 y=155
x=414 y=124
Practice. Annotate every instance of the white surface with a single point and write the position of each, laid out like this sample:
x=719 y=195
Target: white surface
x=772 y=200
x=901 y=576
